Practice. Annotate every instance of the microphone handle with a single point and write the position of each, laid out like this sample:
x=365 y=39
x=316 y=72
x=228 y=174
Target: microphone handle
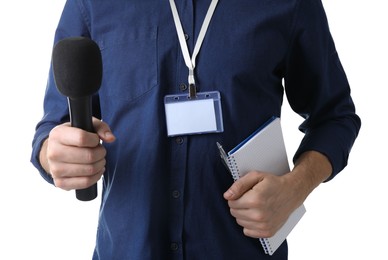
x=80 y=110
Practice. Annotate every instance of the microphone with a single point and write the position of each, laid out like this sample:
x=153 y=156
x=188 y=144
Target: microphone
x=77 y=67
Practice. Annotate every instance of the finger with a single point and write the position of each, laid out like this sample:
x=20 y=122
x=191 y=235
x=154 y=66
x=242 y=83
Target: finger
x=74 y=155
x=103 y=131
x=258 y=223
x=251 y=214
x=73 y=136
x=249 y=200
x=240 y=213
x=257 y=229
x=242 y=185
x=261 y=233
x=77 y=182
x=66 y=170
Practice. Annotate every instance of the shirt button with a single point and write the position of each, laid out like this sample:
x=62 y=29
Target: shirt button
x=174 y=246
x=186 y=36
x=179 y=140
x=176 y=194
x=183 y=87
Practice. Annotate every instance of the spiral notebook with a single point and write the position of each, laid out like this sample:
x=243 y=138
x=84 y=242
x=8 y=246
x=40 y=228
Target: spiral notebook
x=265 y=151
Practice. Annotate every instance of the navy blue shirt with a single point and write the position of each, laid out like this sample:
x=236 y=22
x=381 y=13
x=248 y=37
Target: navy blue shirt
x=163 y=197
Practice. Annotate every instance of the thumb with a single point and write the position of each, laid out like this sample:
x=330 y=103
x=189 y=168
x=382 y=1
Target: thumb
x=103 y=131
x=242 y=185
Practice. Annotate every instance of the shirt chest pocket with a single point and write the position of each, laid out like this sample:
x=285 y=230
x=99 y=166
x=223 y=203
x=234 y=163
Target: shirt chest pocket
x=129 y=62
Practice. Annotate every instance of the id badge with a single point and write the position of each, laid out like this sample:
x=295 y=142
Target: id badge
x=199 y=115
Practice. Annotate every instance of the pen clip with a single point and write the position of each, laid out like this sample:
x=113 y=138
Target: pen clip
x=224 y=157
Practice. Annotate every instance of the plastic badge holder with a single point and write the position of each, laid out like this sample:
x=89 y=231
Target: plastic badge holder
x=187 y=115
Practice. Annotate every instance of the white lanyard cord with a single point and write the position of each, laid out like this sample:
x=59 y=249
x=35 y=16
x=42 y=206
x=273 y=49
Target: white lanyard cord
x=190 y=62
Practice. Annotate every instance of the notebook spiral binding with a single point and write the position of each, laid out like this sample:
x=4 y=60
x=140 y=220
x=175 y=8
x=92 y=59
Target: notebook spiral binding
x=234 y=168
x=266 y=246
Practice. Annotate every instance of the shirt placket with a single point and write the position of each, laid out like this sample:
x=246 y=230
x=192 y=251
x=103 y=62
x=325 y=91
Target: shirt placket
x=179 y=144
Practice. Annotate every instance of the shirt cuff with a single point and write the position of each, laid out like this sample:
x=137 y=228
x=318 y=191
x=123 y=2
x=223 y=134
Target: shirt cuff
x=334 y=141
x=36 y=147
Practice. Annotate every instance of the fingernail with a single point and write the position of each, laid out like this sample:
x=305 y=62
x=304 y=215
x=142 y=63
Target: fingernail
x=109 y=135
x=229 y=194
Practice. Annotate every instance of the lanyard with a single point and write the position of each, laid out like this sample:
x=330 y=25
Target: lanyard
x=190 y=62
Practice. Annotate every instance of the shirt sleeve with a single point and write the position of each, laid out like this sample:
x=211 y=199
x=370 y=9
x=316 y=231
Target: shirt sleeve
x=317 y=88
x=72 y=23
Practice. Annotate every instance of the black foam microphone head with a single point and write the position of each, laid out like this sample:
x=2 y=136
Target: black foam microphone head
x=77 y=67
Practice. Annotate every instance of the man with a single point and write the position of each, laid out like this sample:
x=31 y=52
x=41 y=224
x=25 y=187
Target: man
x=168 y=196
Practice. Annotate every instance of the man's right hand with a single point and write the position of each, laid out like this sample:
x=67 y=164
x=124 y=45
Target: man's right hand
x=73 y=157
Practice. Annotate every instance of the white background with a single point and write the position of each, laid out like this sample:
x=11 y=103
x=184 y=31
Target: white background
x=346 y=218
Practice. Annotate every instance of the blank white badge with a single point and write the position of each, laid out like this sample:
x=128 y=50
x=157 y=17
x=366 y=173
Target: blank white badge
x=200 y=115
